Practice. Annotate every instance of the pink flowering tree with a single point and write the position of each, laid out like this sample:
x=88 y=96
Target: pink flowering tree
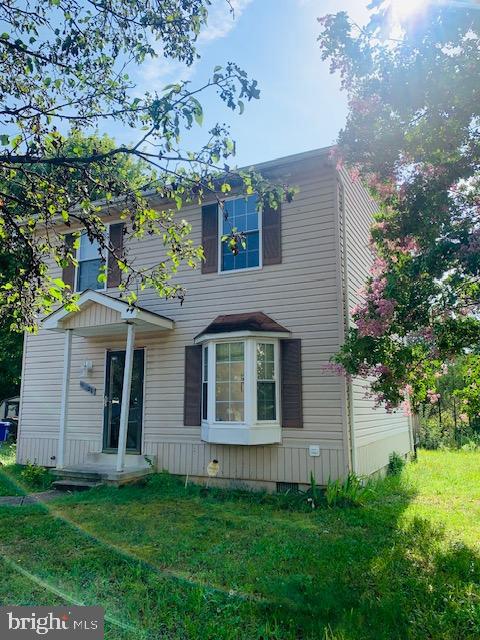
x=412 y=136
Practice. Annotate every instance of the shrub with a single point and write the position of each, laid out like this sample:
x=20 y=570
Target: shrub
x=349 y=492
x=395 y=464
x=36 y=476
x=471 y=445
x=432 y=435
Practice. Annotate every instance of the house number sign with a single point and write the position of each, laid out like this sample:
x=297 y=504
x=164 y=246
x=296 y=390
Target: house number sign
x=88 y=388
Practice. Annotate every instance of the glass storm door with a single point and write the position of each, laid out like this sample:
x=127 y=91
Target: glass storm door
x=113 y=401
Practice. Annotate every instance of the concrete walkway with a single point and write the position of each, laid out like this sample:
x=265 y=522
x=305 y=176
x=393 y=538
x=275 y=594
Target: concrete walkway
x=31 y=498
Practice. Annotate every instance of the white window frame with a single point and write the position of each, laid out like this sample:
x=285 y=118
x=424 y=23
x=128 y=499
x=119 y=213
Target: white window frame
x=77 y=253
x=250 y=431
x=276 y=379
x=220 y=244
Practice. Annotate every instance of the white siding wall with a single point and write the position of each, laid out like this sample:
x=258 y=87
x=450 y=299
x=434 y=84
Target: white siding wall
x=301 y=293
x=377 y=433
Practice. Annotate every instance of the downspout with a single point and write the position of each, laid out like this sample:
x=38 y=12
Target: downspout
x=345 y=324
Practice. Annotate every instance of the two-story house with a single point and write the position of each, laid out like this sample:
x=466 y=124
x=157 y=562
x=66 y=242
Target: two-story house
x=238 y=372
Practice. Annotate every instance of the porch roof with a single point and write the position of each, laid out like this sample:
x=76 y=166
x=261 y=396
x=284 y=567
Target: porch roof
x=99 y=314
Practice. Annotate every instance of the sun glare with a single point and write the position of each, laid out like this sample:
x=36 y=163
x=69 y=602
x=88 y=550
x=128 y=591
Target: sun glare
x=404 y=9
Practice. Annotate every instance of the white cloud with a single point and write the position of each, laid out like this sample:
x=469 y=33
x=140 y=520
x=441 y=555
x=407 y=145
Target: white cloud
x=221 y=19
x=156 y=72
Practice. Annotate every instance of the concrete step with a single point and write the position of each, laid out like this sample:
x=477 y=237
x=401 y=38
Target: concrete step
x=75 y=485
x=77 y=474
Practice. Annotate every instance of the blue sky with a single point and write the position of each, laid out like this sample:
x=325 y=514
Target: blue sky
x=301 y=106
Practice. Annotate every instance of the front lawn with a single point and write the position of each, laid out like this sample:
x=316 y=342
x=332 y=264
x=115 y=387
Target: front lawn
x=18 y=480
x=178 y=564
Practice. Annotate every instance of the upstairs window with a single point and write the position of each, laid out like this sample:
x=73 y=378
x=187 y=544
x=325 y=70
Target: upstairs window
x=241 y=216
x=90 y=264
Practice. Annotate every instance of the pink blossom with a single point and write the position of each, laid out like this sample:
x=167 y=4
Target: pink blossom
x=335 y=368
x=408 y=390
x=407 y=409
x=355 y=174
x=384 y=188
x=379 y=266
x=386 y=307
x=463 y=417
x=426 y=333
x=371 y=327
x=382 y=370
x=379 y=226
x=433 y=396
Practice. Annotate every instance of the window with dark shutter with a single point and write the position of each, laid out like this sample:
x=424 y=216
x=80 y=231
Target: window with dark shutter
x=68 y=273
x=291 y=391
x=192 y=407
x=272 y=236
x=114 y=275
x=210 y=238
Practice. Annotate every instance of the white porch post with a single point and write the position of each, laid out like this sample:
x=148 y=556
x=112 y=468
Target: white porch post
x=67 y=358
x=127 y=385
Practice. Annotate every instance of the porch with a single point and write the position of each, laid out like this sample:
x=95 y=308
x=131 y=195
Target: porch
x=120 y=457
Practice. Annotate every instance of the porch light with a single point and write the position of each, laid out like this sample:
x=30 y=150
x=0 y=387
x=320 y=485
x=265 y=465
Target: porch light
x=87 y=367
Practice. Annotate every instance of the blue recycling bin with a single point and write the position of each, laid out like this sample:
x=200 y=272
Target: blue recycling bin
x=4 y=431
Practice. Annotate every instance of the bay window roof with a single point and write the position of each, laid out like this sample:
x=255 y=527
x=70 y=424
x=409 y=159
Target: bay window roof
x=249 y=323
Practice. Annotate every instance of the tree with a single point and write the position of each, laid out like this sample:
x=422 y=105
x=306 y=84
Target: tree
x=135 y=172
x=412 y=136
x=64 y=69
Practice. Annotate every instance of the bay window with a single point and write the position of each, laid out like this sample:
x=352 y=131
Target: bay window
x=266 y=396
x=229 y=381
x=240 y=390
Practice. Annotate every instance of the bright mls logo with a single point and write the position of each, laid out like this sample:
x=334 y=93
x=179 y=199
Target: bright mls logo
x=59 y=623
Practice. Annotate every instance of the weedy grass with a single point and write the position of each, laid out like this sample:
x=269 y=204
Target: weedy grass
x=11 y=483
x=182 y=563
x=16 y=479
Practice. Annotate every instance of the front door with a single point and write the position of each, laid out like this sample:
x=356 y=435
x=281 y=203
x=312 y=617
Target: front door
x=113 y=401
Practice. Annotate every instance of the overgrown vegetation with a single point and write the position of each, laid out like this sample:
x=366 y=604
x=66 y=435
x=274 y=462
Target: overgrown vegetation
x=68 y=68
x=185 y=564
x=351 y=491
x=412 y=137
x=395 y=464
x=35 y=476
x=16 y=479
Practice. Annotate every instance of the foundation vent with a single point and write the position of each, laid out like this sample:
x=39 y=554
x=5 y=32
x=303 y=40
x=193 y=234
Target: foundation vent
x=287 y=487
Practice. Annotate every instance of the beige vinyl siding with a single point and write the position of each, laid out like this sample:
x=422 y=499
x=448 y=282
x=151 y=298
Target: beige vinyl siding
x=93 y=315
x=301 y=293
x=377 y=433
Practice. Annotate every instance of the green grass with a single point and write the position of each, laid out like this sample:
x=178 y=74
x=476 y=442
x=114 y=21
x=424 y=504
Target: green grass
x=15 y=480
x=11 y=483
x=178 y=564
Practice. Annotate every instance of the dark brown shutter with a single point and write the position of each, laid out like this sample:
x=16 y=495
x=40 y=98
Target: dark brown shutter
x=192 y=402
x=114 y=274
x=210 y=238
x=68 y=273
x=272 y=235
x=291 y=391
